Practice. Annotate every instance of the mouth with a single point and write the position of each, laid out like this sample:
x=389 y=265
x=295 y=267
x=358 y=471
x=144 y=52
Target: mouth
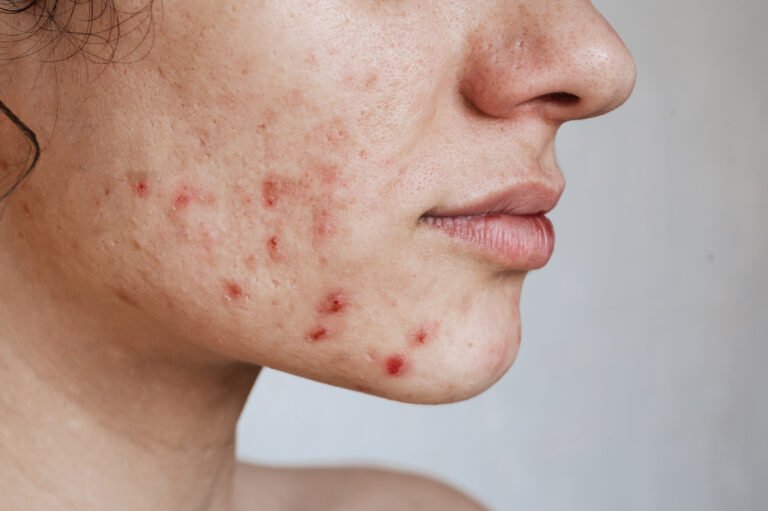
x=508 y=228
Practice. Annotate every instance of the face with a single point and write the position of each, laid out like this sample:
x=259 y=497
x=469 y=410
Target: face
x=258 y=186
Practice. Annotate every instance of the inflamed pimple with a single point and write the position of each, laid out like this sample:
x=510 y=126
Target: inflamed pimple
x=234 y=291
x=424 y=334
x=395 y=365
x=273 y=247
x=141 y=188
x=270 y=192
x=317 y=334
x=333 y=303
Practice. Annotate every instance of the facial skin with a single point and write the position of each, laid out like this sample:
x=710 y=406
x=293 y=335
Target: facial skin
x=250 y=190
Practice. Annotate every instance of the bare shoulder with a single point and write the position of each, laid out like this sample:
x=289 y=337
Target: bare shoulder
x=342 y=489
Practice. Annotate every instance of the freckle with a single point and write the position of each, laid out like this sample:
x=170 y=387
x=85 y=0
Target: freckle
x=395 y=365
x=107 y=191
x=334 y=303
x=136 y=244
x=234 y=290
x=317 y=334
x=363 y=154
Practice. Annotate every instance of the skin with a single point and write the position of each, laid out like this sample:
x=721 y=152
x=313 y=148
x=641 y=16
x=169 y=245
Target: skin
x=247 y=194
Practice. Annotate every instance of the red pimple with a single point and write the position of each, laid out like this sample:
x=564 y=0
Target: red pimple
x=424 y=333
x=334 y=303
x=182 y=200
x=141 y=188
x=395 y=365
x=273 y=247
x=270 y=192
x=317 y=334
x=234 y=290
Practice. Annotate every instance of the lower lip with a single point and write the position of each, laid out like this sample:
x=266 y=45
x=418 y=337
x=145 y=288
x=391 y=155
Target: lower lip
x=516 y=242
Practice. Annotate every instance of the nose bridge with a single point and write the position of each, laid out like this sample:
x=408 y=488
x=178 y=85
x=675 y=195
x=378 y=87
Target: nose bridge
x=560 y=57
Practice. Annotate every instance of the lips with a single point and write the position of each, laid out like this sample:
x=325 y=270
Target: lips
x=508 y=228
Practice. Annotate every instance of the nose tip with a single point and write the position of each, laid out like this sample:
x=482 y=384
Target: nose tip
x=563 y=64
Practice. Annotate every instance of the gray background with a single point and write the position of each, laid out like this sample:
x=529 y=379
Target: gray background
x=641 y=381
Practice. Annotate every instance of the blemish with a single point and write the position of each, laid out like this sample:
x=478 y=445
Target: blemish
x=395 y=365
x=270 y=192
x=125 y=297
x=250 y=262
x=141 y=188
x=317 y=334
x=234 y=291
x=273 y=247
x=322 y=226
x=424 y=334
x=186 y=194
x=334 y=303
x=26 y=209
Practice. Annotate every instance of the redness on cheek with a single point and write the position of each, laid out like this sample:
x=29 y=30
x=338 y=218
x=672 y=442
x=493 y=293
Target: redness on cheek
x=333 y=303
x=395 y=365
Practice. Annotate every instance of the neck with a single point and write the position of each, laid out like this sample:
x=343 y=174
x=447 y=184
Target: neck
x=97 y=416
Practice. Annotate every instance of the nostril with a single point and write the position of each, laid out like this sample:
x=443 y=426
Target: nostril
x=560 y=98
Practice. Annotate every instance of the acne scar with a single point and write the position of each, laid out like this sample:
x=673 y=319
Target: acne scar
x=395 y=365
x=333 y=303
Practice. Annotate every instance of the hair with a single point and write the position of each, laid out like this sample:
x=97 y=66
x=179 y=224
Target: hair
x=54 y=21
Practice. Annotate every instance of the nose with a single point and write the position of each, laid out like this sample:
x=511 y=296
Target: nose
x=557 y=59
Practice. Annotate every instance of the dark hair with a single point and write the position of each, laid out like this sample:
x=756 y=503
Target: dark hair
x=55 y=19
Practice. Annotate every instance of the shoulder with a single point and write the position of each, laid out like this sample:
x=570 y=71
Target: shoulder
x=349 y=488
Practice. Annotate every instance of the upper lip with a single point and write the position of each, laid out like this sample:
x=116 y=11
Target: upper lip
x=527 y=198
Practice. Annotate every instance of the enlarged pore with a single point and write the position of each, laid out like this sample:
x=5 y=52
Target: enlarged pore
x=19 y=152
x=65 y=28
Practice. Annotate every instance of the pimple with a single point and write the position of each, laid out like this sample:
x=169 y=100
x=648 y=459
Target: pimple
x=371 y=79
x=187 y=194
x=334 y=303
x=424 y=334
x=139 y=182
x=234 y=291
x=322 y=225
x=271 y=190
x=395 y=365
x=273 y=247
x=317 y=334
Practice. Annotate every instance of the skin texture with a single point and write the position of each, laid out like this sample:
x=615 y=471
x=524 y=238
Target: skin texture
x=246 y=192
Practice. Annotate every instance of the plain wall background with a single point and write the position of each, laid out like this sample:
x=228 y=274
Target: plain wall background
x=642 y=376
